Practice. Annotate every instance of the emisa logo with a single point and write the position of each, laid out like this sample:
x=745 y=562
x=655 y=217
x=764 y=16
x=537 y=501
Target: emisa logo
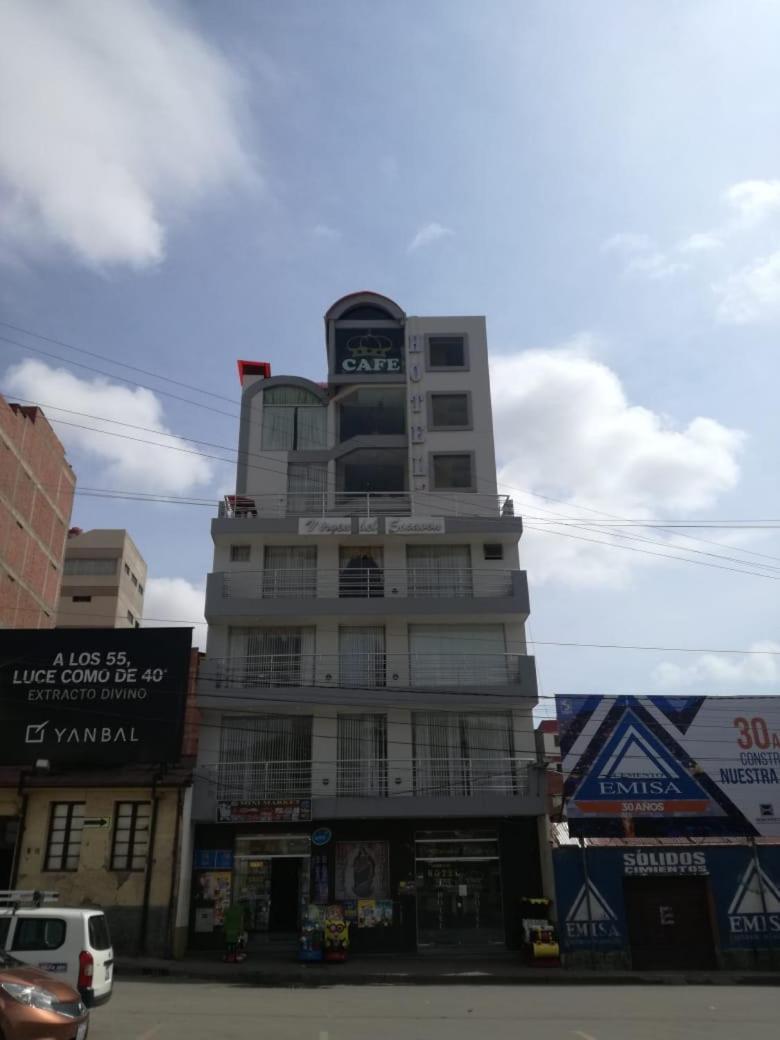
x=590 y=916
x=755 y=907
x=635 y=766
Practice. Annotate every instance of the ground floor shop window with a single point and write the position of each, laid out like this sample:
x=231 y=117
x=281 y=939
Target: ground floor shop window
x=271 y=882
x=458 y=888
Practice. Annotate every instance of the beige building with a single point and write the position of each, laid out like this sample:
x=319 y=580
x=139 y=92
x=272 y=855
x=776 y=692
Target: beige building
x=103 y=581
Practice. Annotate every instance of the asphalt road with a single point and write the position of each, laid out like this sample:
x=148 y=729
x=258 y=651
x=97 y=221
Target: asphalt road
x=174 y=1010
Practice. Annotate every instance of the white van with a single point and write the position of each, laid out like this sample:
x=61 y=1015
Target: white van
x=72 y=943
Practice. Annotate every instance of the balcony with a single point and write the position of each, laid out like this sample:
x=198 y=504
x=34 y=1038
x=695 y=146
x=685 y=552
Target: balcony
x=366 y=505
x=379 y=786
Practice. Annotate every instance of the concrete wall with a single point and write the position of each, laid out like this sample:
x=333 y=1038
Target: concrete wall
x=112 y=596
x=119 y=893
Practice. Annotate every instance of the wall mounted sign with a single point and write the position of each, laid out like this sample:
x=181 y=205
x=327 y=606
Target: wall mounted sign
x=365 y=351
x=93 y=696
x=273 y=810
x=321 y=836
x=415 y=525
x=325 y=525
x=368 y=525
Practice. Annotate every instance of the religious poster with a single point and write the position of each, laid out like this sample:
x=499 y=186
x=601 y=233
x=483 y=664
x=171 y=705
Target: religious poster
x=362 y=870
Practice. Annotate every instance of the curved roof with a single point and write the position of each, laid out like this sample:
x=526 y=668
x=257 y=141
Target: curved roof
x=336 y=309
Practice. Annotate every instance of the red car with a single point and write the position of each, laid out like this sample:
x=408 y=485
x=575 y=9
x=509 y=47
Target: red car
x=35 y=1005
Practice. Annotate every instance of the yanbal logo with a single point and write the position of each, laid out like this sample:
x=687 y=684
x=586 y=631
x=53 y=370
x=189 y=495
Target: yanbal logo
x=755 y=907
x=37 y=733
x=590 y=917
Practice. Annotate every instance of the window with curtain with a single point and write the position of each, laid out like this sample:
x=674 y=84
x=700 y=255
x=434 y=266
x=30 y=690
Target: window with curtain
x=264 y=756
x=361 y=571
x=290 y=570
x=362 y=656
x=461 y=754
x=439 y=570
x=294 y=419
x=457 y=655
x=362 y=755
x=307 y=483
x=271 y=657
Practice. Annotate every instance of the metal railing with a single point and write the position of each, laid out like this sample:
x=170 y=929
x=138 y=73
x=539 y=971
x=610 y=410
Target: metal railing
x=366 y=583
x=458 y=777
x=368 y=670
x=367 y=504
x=471 y=776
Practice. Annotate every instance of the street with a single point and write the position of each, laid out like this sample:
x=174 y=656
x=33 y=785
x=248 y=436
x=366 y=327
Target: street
x=171 y=1010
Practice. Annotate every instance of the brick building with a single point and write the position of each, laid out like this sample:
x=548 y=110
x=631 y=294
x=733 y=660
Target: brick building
x=36 y=498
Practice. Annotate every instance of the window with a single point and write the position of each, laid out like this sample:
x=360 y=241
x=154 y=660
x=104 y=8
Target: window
x=439 y=570
x=458 y=655
x=290 y=570
x=64 y=842
x=446 y=352
x=362 y=656
x=240 y=553
x=450 y=412
x=140 y=589
x=463 y=753
x=306 y=484
x=271 y=657
x=264 y=756
x=99 y=565
x=130 y=617
x=134 y=580
x=81 y=599
x=99 y=935
x=493 y=551
x=453 y=471
x=127 y=569
x=373 y=410
x=131 y=836
x=362 y=755
x=372 y=470
x=39 y=933
x=294 y=419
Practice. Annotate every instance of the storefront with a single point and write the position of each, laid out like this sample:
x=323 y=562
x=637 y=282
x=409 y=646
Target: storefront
x=399 y=883
x=669 y=907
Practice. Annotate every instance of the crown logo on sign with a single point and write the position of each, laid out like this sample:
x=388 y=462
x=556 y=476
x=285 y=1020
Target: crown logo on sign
x=369 y=346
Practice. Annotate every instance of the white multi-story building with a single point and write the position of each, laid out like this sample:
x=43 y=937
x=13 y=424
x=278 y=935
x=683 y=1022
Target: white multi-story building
x=367 y=698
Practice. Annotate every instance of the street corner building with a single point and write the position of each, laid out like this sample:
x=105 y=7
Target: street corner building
x=675 y=802
x=97 y=744
x=367 y=736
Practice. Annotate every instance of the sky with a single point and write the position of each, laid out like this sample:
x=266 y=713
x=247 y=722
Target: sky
x=186 y=184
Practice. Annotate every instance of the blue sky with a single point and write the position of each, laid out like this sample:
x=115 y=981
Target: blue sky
x=182 y=185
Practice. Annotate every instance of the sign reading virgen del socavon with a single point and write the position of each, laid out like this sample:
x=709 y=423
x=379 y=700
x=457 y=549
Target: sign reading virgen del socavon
x=92 y=696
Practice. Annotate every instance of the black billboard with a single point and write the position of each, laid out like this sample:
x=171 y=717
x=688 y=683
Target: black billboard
x=361 y=352
x=93 y=696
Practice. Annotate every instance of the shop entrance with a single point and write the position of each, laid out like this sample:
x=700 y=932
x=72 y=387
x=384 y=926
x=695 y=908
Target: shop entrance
x=669 y=923
x=458 y=888
x=271 y=881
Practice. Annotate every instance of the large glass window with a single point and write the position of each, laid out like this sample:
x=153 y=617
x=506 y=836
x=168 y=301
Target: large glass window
x=362 y=655
x=290 y=570
x=461 y=754
x=90 y=565
x=372 y=470
x=306 y=487
x=294 y=419
x=264 y=756
x=439 y=570
x=271 y=657
x=453 y=471
x=362 y=755
x=373 y=410
x=457 y=655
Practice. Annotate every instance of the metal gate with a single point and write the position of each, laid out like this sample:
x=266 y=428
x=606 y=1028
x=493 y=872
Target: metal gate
x=669 y=922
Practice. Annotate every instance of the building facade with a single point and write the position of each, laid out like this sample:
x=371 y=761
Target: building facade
x=36 y=498
x=366 y=697
x=103 y=581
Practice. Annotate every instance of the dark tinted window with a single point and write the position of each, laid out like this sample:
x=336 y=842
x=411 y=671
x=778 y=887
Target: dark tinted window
x=446 y=352
x=450 y=410
x=99 y=938
x=39 y=933
x=5 y=923
x=452 y=471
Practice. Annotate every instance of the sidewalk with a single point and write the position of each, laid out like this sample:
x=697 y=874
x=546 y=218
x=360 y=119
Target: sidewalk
x=419 y=970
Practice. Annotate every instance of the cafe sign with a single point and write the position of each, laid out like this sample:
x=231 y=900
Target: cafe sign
x=364 y=351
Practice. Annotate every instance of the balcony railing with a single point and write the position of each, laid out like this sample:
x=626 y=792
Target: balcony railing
x=461 y=777
x=366 y=583
x=371 y=504
x=368 y=670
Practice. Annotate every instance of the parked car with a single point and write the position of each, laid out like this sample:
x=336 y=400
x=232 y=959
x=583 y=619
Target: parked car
x=70 y=943
x=35 y=1005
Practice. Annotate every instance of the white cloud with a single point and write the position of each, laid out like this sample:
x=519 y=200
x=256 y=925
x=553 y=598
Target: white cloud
x=326 y=231
x=655 y=265
x=754 y=201
x=124 y=463
x=761 y=665
x=175 y=599
x=750 y=294
x=700 y=242
x=627 y=242
x=111 y=114
x=565 y=429
x=428 y=234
